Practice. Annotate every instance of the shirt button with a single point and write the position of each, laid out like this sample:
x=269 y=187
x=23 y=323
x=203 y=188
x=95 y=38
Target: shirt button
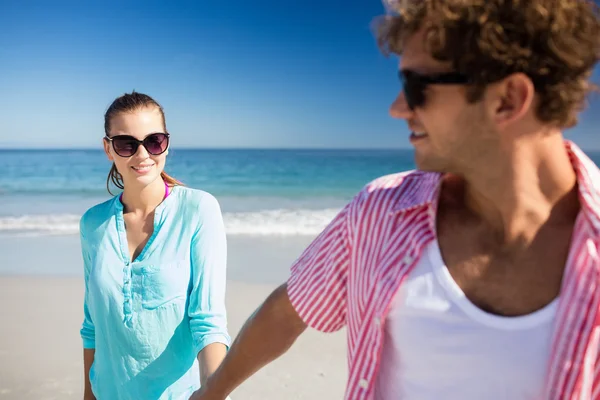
x=407 y=259
x=363 y=383
x=377 y=321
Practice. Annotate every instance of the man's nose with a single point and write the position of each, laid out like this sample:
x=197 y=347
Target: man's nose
x=399 y=108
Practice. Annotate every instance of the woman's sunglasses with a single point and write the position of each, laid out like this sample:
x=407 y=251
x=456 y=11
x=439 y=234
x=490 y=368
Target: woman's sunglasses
x=414 y=85
x=126 y=146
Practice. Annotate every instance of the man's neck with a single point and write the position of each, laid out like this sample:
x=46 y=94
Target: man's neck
x=143 y=199
x=532 y=184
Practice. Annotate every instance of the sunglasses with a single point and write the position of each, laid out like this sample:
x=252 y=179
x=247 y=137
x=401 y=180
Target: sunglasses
x=414 y=85
x=126 y=146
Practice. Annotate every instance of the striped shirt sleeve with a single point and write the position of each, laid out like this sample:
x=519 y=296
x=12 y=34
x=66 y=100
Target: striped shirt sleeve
x=317 y=284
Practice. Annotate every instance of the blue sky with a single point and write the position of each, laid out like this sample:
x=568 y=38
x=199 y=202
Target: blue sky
x=228 y=73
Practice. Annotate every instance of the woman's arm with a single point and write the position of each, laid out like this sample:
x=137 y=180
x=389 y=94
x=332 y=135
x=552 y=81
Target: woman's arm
x=88 y=331
x=210 y=358
x=88 y=360
x=208 y=321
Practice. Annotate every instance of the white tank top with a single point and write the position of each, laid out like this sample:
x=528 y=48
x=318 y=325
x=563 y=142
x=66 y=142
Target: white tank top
x=439 y=345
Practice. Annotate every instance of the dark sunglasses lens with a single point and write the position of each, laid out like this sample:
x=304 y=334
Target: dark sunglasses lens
x=156 y=143
x=414 y=90
x=124 y=146
x=415 y=96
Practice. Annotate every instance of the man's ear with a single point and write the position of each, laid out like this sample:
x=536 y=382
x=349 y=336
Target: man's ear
x=511 y=98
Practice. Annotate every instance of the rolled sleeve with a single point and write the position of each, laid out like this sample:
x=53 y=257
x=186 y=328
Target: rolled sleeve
x=317 y=283
x=207 y=313
x=87 y=331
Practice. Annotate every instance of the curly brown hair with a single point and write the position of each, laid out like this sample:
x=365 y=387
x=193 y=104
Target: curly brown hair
x=556 y=43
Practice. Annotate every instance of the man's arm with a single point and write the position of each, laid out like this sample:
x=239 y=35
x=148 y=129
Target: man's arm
x=88 y=360
x=314 y=295
x=267 y=334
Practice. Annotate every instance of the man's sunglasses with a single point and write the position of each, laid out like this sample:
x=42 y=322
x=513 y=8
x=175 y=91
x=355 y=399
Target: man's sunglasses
x=126 y=146
x=414 y=85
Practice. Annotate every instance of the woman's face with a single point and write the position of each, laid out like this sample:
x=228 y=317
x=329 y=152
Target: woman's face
x=142 y=168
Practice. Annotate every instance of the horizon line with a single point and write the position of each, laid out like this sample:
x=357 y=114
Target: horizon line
x=216 y=148
x=241 y=148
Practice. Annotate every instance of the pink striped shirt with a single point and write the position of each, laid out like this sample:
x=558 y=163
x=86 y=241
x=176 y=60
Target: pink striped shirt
x=350 y=273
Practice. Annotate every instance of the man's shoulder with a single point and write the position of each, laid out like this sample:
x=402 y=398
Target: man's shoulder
x=405 y=189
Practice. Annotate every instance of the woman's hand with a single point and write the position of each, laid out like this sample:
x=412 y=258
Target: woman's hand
x=197 y=395
x=201 y=394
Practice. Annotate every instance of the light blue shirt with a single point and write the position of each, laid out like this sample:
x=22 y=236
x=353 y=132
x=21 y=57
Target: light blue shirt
x=148 y=319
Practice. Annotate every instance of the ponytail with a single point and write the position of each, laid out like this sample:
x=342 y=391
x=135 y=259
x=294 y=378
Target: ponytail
x=115 y=177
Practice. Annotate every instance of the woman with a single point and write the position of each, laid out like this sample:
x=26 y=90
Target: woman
x=155 y=256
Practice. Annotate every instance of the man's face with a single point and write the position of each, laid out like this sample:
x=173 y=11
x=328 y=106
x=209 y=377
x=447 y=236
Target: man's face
x=449 y=134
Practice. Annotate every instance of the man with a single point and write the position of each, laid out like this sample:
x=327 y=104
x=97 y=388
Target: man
x=475 y=277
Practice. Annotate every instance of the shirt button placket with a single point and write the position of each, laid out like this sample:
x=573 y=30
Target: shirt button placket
x=127 y=294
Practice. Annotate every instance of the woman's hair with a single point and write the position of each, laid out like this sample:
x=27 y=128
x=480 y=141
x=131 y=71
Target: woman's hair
x=127 y=103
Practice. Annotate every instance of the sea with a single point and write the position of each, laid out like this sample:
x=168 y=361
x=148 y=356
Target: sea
x=261 y=192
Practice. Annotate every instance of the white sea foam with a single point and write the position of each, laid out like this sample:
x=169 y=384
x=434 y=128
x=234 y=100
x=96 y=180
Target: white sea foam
x=53 y=224
x=278 y=222
x=282 y=222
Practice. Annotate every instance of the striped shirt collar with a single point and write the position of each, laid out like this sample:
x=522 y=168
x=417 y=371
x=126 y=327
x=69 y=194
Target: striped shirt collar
x=588 y=179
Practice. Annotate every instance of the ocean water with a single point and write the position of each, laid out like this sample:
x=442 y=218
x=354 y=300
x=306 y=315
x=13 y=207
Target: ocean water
x=261 y=192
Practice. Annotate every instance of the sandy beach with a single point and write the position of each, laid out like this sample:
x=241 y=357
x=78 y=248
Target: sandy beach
x=40 y=312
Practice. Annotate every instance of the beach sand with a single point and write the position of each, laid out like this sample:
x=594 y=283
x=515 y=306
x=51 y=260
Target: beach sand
x=41 y=292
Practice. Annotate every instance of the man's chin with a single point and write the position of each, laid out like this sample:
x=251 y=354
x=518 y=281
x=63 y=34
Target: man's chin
x=428 y=165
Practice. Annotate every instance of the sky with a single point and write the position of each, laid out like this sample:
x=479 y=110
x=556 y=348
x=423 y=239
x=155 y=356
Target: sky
x=241 y=74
